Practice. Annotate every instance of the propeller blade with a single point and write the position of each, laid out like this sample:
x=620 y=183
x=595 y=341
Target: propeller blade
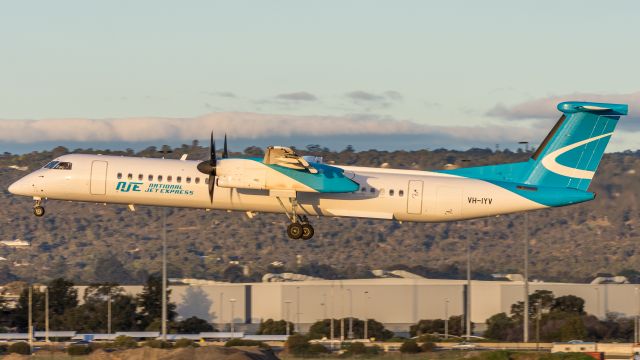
x=225 y=153
x=212 y=178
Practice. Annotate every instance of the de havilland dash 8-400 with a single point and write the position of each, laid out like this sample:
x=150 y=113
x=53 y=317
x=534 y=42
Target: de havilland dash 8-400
x=557 y=174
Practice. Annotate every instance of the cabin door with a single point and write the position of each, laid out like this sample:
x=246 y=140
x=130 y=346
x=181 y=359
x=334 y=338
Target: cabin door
x=414 y=198
x=98 y=177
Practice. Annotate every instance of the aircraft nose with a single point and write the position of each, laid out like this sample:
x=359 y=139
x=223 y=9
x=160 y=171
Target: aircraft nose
x=20 y=187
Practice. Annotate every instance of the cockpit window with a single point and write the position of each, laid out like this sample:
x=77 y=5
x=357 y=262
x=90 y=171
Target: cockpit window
x=63 y=165
x=59 y=165
x=51 y=164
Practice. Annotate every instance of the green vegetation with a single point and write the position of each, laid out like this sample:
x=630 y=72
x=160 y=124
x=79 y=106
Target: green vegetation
x=410 y=347
x=298 y=345
x=243 y=342
x=560 y=319
x=21 y=348
x=375 y=329
x=272 y=327
x=76 y=350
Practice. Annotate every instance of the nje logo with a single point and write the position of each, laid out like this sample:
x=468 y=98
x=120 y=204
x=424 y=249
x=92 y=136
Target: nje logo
x=124 y=186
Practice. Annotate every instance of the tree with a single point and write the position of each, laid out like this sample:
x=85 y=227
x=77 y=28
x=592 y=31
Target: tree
x=271 y=327
x=499 y=326
x=435 y=326
x=540 y=299
x=150 y=302
x=568 y=304
x=410 y=347
x=375 y=329
x=572 y=329
x=193 y=325
x=62 y=296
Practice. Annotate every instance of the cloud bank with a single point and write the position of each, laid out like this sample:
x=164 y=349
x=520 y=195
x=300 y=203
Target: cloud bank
x=241 y=125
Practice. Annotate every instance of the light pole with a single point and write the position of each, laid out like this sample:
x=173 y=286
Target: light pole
x=366 y=315
x=221 y=313
x=297 y=328
x=525 y=316
x=350 y=313
x=233 y=328
x=286 y=316
x=46 y=313
x=164 y=151
x=109 y=312
x=30 y=319
x=164 y=274
x=597 y=301
x=468 y=317
x=446 y=319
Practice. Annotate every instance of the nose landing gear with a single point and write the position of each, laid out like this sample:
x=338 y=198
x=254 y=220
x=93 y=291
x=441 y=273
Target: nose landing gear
x=38 y=210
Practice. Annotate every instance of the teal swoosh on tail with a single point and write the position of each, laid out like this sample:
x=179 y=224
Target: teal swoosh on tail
x=567 y=158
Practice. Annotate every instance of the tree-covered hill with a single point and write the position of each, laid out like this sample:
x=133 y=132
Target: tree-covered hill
x=97 y=243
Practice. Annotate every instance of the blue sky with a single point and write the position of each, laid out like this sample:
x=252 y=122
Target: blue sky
x=458 y=73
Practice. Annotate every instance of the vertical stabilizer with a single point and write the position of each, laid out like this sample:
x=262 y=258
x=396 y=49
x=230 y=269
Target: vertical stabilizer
x=570 y=154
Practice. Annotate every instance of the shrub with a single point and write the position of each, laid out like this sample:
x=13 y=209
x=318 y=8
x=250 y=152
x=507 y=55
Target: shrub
x=356 y=348
x=21 y=348
x=242 y=342
x=183 y=343
x=157 y=344
x=299 y=345
x=4 y=349
x=124 y=342
x=428 y=346
x=410 y=347
x=74 y=350
x=374 y=350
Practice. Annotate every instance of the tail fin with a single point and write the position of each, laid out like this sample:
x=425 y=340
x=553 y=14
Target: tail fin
x=570 y=154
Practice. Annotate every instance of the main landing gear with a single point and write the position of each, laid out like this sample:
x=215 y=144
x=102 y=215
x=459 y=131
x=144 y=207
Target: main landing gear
x=300 y=228
x=38 y=210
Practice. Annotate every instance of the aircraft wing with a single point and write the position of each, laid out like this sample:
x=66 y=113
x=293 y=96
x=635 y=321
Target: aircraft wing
x=286 y=157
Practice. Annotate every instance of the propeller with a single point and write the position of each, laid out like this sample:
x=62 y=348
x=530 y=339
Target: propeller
x=209 y=167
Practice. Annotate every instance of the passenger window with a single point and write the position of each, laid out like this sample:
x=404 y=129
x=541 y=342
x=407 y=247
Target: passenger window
x=140 y=177
x=119 y=175
x=390 y=192
x=188 y=180
x=363 y=189
x=206 y=180
x=129 y=176
x=197 y=180
x=150 y=178
x=179 y=179
x=401 y=193
x=372 y=190
x=169 y=178
x=159 y=178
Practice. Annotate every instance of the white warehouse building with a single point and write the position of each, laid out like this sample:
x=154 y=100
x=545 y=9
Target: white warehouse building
x=396 y=302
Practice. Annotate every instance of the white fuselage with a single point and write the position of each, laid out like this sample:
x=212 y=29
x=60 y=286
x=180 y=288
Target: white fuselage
x=406 y=195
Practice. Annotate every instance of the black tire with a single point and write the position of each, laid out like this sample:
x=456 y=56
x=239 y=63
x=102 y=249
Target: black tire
x=294 y=231
x=38 y=211
x=307 y=231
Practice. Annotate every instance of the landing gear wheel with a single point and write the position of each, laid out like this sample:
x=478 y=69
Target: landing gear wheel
x=307 y=231
x=294 y=230
x=38 y=211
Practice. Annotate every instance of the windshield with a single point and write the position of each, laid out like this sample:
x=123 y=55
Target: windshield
x=59 y=165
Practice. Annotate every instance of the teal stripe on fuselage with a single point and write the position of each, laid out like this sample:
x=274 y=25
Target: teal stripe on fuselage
x=329 y=179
